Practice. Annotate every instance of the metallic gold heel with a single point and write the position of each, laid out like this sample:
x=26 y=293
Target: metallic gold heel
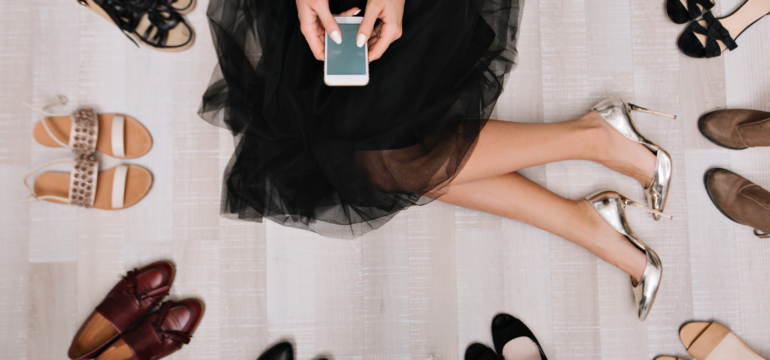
x=611 y=206
x=648 y=111
x=617 y=113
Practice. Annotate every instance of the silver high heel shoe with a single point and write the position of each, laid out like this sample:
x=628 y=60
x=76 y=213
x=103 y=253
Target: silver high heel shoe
x=612 y=208
x=617 y=113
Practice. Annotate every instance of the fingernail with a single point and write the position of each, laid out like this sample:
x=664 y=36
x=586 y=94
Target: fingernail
x=356 y=13
x=361 y=40
x=335 y=35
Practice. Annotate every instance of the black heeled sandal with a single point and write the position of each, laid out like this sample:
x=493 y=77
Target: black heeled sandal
x=506 y=328
x=680 y=14
x=721 y=30
x=150 y=22
x=181 y=6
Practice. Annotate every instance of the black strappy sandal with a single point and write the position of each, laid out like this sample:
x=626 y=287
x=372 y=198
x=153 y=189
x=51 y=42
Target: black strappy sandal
x=720 y=30
x=680 y=14
x=151 y=22
x=506 y=328
x=181 y=6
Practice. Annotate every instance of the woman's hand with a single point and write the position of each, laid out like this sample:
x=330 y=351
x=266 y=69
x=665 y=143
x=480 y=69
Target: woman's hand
x=391 y=13
x=315 y=18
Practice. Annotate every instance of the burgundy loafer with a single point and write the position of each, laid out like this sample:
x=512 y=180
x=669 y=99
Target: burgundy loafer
x=159 y=335
x=128 y=302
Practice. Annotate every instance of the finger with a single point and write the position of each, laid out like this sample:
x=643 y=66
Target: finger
x=367 y=25
x=315 y=39
x=375 y=35
x=312 y=30
x=387 y=36
x=322 y=51
x=351 y=12
x=330 y=25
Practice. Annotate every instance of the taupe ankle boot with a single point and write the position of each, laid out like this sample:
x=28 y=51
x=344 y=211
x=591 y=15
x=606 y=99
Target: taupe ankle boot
x=736 y=129
x=740 y=200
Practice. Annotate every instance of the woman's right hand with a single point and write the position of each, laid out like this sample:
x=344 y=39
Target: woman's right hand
x=315 y=19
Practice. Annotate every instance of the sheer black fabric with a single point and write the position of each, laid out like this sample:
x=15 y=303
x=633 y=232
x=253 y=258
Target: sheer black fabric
x=342 y=161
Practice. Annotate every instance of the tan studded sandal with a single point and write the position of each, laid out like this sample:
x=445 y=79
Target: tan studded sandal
x=154 y=23
x=115 y=189
x=714 y=341
x=84 y=132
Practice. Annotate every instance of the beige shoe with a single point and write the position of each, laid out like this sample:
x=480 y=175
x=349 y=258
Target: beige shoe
x=713 y=341
x=115 y=189
x=84 y=132
x=152 y=23
x=740 y=200
x=668 y=358
x=736 y=129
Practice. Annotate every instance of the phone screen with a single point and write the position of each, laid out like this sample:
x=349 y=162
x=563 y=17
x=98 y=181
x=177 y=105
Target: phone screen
x=345 y=58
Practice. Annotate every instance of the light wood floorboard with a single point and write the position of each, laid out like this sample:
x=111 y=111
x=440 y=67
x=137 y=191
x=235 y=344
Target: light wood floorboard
x=428 y=283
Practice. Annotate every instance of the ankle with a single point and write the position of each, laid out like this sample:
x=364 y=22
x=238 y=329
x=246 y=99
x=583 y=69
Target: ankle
x=598 y=140
x=608 y=244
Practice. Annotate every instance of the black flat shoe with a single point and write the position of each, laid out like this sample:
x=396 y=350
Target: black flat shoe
x=680 y=14
x=719 y=32
x=280 y=351
x=506 y=328
x=478 y=351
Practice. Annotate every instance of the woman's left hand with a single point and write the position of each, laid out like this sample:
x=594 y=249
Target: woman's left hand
x=379 y=38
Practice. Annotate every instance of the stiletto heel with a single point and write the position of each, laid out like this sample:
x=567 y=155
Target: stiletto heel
x=617 y=113
x=611 y=206
x=648 y=111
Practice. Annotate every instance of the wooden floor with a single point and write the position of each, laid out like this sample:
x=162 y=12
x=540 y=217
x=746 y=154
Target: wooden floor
x=428 y=283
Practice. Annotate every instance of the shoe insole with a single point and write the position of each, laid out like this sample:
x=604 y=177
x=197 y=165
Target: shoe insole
x=684 y=2
x=729 y=347
x=136 y=138
x=117 y=351
x=521 y=348
x=750 y=12
x=138 y=184
x=95 y=332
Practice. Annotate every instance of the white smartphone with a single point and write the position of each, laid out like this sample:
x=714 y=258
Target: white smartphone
x=346 y=64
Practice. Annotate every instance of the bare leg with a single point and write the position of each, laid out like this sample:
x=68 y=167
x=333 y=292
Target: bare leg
x=516 y=197
x=505 y=147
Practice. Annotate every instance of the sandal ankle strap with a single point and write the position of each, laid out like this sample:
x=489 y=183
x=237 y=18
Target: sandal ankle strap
x=83 y=179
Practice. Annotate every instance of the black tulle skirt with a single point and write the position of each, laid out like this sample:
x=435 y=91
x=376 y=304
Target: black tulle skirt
x=342 y=161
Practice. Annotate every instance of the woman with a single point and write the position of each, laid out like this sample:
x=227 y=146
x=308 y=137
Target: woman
x=329 y=158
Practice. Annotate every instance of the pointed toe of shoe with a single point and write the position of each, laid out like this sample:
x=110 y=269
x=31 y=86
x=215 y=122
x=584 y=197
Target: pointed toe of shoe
x=280 y=351
x=478 y=351
x=503 y=320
